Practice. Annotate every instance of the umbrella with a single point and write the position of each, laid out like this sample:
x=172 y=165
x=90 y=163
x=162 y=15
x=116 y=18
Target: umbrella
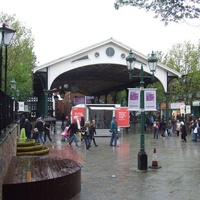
x=50 y=119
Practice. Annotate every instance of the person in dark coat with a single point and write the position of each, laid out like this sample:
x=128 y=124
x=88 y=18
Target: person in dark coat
x=68 y=121
x=40 y=126
x=73 y=128
x=113 y=129
x=47 y=131
x=183 y=132
x=82 y=124
x=22 y=121
x=162 y=127
x=93 y=132
x=28 y=128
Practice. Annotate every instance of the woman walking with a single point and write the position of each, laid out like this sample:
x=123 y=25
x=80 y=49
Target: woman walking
x=93 y=131
x=87 y=134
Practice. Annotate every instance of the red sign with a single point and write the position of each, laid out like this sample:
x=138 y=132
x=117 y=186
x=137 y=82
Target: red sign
x=122 y=115
x=78 y=111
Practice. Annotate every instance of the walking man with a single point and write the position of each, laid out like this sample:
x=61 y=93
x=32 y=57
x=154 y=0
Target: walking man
x=113 y=128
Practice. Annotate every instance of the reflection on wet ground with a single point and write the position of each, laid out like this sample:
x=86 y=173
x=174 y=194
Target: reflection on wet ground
x=111 y=172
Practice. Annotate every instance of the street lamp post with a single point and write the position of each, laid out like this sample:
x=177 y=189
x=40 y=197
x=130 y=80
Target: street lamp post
x=6 y=35
x=17 y=94
x=152 y=61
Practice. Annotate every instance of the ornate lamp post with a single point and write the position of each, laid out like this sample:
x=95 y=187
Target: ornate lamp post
x=152 y=61
x=17 y=94
x=6 y=35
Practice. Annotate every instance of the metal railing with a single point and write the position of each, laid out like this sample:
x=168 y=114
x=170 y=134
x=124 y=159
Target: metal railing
x=6 y=111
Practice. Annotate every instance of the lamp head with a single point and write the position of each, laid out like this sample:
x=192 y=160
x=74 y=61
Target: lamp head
x=13 y=84
x=6 y=34
x=152 y=61
x=130 y=61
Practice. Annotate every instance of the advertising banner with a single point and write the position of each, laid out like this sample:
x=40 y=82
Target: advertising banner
x=182 y=109
x=134 y=99
x=186 y=109
x=77 y=111
x=21 y=106
x=79 y=100
x=177 y=105
x=122 y=115
x=150 y=99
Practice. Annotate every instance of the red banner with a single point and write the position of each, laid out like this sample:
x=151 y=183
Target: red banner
x=78 y=111
x=122 y=115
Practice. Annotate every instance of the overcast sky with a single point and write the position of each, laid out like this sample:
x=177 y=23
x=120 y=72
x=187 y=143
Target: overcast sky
x=63 y=27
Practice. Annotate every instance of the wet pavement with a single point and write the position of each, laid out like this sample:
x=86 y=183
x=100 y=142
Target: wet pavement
x=111 y=173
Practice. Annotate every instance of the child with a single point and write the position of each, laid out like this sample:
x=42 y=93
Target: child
x=35 y=134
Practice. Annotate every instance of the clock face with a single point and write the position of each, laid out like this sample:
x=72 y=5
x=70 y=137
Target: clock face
x=110 y=52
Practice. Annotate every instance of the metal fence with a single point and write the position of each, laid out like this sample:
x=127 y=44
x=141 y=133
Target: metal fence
x=6 y=111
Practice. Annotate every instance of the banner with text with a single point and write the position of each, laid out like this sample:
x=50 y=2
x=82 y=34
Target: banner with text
x=150 y=99
x=77 y=111
x=122 y=115
x=134 y=99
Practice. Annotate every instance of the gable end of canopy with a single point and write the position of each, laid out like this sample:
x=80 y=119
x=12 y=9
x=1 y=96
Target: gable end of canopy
x=108 y=52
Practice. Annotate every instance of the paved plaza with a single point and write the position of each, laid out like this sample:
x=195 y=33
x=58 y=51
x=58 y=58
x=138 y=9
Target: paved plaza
x=110 y=173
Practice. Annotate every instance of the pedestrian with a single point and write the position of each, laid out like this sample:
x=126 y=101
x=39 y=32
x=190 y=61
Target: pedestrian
x=152 y=121
x=162 y=127
x=169 y=130
x=47 y=131
x=173 y=124
x=178 y=127
x=72 y=130
x=68 y=121
x=22 y=121
x=93 y=132
x=156 y=129
x=113 y=129
x=63 y=121
x=183 y=132
x=82 y=123
x=40 y=126
x=195 y=130
x=28 y=128
x=198 y=128
x=35 y=134
x=87 y=135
